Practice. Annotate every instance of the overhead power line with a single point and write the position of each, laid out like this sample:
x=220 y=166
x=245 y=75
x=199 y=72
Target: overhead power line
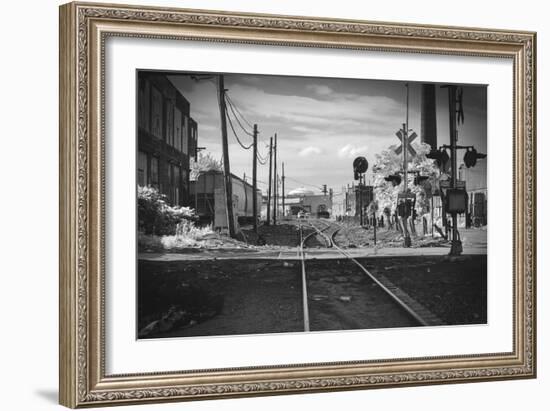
x=304 y=184
x=235 y=133
x=231 y=103
x=251 y=134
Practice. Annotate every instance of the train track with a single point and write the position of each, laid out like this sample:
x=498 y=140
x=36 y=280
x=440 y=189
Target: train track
x=349 y=268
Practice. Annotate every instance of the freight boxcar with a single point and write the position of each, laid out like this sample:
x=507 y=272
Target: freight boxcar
x=208 y=198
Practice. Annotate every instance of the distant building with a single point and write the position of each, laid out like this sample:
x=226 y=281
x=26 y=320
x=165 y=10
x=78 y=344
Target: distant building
x=348 y=203
x=167 y=137
x=306 y=201
x=476 y=187
x=317 y=205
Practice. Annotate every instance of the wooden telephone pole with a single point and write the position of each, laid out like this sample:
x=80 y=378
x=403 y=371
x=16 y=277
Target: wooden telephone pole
x=275 y=182
x=268 y=221
x=254 y=181
x=283 y=189
x=226 y=168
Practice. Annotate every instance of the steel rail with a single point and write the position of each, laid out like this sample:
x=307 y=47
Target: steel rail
x=305 y=307
x=400 y=302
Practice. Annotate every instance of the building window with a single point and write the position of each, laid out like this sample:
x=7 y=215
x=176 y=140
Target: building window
x=169 y=123
x=156 y=113
x=143 y=104
x=142 y=169
x=185 y=136
x=175 y=184
x=177 y=129
x=154 y=180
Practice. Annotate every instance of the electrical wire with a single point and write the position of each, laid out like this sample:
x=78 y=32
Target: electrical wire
x=228 y=101
x=235 y=134
x=238 y=111
x=304 y=184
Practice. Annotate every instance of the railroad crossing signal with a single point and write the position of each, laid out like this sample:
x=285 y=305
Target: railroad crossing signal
x=441 y=158
x=405 y=141
x=360 y=166
x=395 y=179
x=471 y=157
x=420 y=179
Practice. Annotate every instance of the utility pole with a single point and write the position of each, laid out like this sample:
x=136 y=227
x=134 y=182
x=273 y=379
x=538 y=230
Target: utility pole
x=275 y=182
x=456 y=244
x=268 y=221
x=283 y=189
x=226 y=168
x=254 y=181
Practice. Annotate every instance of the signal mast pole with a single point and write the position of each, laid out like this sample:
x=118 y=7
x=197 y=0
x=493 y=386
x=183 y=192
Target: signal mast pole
x=268 y=221
x=405 y=144
x=456 y=244
x=405 y=141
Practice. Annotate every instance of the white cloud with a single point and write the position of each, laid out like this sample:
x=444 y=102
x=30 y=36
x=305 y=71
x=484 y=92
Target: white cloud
x=320 y=89
x=310 y=150
x=350 y=151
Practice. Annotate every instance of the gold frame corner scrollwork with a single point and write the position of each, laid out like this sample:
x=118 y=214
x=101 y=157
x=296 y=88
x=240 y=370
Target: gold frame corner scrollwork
x=83 y=30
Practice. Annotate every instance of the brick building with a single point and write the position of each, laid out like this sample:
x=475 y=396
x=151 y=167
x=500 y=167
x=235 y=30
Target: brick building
x=167 y=137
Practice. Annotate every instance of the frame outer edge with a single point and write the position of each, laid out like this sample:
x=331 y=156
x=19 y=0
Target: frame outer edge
x=533 y=257
x=68 y=326
x=77 y=385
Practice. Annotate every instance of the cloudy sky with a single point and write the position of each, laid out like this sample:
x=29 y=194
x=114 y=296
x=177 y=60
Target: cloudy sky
x=322 y=124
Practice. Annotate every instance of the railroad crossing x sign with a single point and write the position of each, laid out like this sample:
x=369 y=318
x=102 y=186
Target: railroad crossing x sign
x=405 y=141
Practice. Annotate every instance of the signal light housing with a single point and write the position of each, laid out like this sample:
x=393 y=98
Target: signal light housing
x=456 y=200
x=395 y=179
x=471 y=157
x=420 y=179
x=440 y=156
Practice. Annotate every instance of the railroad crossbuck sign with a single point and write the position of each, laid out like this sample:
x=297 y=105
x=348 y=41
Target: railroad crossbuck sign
x=405 y=141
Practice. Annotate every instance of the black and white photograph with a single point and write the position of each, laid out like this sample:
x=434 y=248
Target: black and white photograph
x=276 y=204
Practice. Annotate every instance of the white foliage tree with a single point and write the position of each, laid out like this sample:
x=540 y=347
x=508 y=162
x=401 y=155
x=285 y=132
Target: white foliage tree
x=388 y=162
x=206 y=162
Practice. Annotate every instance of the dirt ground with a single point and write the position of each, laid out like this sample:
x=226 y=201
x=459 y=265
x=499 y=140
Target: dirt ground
x=453 y=288
x=228 y=297
x=220 y=297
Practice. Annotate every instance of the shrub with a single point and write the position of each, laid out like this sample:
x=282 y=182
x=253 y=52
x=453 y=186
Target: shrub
x=155 y=216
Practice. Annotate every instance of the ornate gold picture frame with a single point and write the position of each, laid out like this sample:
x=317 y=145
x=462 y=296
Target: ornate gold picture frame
x=84 y=30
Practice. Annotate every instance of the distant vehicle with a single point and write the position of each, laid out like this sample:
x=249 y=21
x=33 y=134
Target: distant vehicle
x=301 y=214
